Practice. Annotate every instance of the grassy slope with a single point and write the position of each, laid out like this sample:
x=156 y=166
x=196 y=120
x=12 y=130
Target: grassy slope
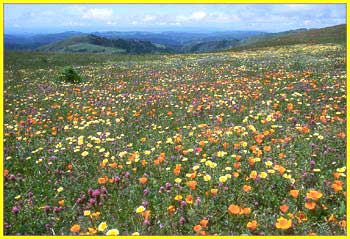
x=99 y=44
x=210 y=46
x=95 y=44
x=334 y=34
x=87 y=47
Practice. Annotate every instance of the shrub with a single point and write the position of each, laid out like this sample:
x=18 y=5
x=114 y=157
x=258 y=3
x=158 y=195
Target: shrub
x=68 y=74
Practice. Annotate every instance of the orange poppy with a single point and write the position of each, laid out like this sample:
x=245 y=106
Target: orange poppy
x=234 y=209
x=177 y=169
x=280 y=169
x=113 y=165
x=171 y=209
x=259 y=138
x=146 y=214
x=294 y=193
x=337 y=185
x=192 y=184
x=252 y=225
x=75 y=228
x=143 y=180
x=246 y=188
x=314 y=195
x=342 y=223
x=300 y=216
x=204 y=222
x=341 y=135
x=245 y=211
x=283 y=223
x=310 y=205
x=61 y=202
x=267 y=148
x=237 y=165
x=189 y=199
x=143 y=140
x=284 y=208
x=197 y=228
x=102 y=180
x=331 y=218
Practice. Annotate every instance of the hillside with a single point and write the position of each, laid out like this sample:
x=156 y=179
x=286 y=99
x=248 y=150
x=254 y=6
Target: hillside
x=95 y=44
x=170 y=39
x=171 y=42
x=210 y=46
x=30 y=42
x=176 y=39
x=334 y=34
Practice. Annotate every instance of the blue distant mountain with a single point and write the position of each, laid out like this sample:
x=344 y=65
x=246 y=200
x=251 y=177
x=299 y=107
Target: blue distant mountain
x=170 y=41
x=178 y=41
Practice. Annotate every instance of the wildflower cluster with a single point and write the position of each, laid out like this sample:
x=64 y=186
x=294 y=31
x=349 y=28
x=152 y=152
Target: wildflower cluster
x=210 y=144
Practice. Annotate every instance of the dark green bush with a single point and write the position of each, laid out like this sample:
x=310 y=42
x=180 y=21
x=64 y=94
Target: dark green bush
x=68 y=74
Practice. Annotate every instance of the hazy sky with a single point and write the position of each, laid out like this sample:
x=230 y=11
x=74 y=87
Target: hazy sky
x=179 y=17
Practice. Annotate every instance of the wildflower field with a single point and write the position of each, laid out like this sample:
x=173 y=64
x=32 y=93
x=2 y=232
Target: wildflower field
x=247 y=142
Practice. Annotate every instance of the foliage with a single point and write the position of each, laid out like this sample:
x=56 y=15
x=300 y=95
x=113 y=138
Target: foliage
x=68 y=74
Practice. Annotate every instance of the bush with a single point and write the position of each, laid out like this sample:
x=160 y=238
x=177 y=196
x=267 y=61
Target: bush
x=68 y=74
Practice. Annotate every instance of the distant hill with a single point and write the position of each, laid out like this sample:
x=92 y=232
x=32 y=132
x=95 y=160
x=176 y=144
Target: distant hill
x=95 y=44
x=178 y=39
x=174 y=40
x=171 y=42
x=210 y=46
x=30 y=42
x=334 y=34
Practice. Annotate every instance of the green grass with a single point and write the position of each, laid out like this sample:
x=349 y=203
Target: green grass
x=90 y=48
x=329 y=35
x=95 y=44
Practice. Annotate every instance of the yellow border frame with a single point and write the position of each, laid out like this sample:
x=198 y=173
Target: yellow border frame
x=173 y=1
x=347 y=2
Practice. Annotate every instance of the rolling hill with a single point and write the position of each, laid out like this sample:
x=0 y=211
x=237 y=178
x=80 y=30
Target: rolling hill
x=333 y=34
x=210 y=46
x=171 y=42
x=30 y=42
x=179 y=39
x=170 y=39
x=95 y=44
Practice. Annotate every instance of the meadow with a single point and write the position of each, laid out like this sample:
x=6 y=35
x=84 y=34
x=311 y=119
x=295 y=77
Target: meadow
x=248 y=142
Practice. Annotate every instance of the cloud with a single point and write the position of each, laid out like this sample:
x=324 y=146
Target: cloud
x=99 y=14
x=73 y=24
x=220 y=17
x=298 y=7
x=195 y=16
x=308 y=22
x=209 y=17
x=112 y=23
x=149 y=18
x=269 y=17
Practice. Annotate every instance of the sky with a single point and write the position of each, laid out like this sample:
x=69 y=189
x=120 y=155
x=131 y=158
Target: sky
x=51 y=18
